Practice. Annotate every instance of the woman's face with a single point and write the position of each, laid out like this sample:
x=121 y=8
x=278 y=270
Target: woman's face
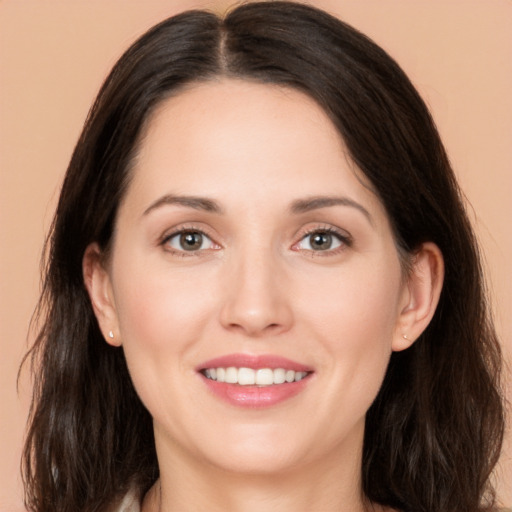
x=247 y=240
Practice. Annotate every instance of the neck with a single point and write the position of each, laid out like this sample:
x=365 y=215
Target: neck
x=253 y=494
x=186 y=484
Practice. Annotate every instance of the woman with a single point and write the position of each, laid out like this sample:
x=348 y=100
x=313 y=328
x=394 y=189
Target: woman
x=262 y=288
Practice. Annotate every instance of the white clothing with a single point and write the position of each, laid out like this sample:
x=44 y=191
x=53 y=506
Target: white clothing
x=130 y=503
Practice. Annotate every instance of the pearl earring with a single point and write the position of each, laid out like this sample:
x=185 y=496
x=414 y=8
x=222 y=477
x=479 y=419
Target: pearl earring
x=403 y=335
x=110 y=334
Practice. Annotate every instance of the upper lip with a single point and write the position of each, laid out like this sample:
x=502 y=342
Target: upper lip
x=255 y=362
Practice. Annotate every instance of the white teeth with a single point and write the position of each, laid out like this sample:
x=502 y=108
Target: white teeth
x=231 y=375
x=264 y=377
x=246 y=377
x=250 y=377
x=279 y=376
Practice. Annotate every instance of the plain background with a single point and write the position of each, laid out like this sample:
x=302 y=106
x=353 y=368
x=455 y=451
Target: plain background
x=55 y=54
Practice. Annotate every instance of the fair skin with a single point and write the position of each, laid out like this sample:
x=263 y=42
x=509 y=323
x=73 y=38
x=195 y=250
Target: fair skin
x=270 y=267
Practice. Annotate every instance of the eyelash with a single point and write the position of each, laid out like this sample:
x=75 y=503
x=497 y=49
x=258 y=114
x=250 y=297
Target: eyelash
x=343 y=237
x=183 y=231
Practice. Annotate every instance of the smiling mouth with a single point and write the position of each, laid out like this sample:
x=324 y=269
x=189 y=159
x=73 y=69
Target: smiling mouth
x=262 y=377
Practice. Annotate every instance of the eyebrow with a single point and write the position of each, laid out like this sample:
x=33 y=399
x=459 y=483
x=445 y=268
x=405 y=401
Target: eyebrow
x=297 y=207
x=316 y=202
x=195 y=202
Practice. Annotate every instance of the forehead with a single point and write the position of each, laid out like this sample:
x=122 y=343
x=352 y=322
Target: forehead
x=237 y=111
x=240 y=140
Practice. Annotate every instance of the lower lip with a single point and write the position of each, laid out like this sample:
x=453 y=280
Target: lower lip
x=255 y=396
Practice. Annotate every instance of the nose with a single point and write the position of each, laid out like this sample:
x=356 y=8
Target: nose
x=256 y=298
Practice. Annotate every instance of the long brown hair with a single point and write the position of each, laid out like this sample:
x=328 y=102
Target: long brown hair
x=434 y=433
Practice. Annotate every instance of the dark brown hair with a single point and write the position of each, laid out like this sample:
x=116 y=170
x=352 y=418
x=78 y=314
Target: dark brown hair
x=434 y=432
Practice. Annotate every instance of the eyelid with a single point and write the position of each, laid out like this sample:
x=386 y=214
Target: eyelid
x=343 y=236
x=186 y=228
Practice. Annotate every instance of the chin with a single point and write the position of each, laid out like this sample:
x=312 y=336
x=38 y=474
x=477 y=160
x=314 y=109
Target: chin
x=273 y=450
x=262 y=463
x=260 y=451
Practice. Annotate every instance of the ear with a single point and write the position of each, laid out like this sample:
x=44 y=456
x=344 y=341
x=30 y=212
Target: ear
x=98 y=285
x=420 y=295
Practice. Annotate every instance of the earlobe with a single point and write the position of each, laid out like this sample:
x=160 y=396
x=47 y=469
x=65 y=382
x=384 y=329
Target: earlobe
x=98 y=285
x=421 y=295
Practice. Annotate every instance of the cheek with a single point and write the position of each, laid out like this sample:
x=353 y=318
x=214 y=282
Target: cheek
x=354 y=318
x=156 y=305
x=359 y=303
x=161 y=316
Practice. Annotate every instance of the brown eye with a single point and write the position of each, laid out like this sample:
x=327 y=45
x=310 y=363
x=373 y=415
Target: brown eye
x=321 y=241
x=189 y=241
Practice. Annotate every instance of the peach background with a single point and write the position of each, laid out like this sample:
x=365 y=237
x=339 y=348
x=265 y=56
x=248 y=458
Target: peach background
x=54 y=55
